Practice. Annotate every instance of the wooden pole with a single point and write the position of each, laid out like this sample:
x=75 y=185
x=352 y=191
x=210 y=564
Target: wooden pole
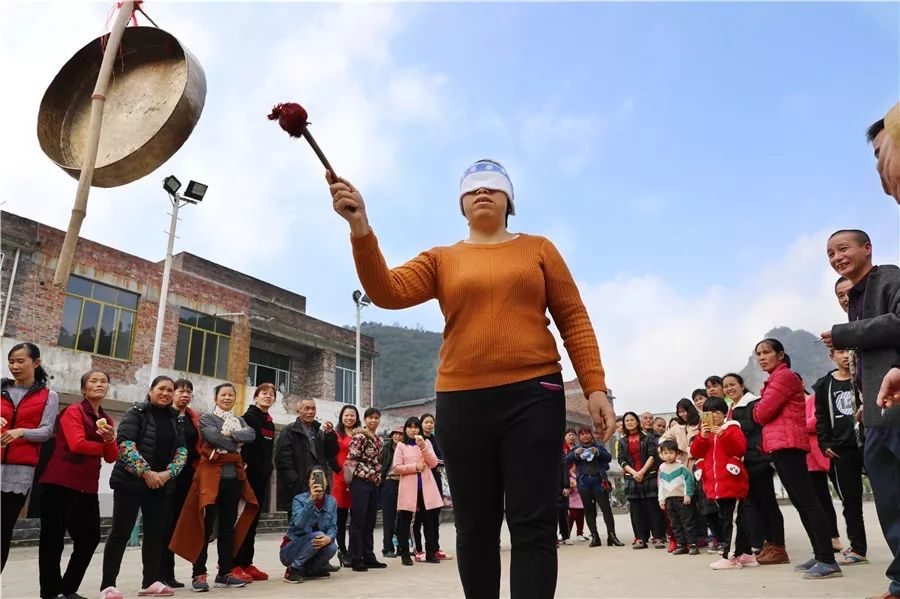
x=98 y=100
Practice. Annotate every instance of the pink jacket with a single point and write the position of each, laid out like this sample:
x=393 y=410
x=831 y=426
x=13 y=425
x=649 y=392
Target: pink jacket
x=782 y=411
x=816 y=461
x=405 y=459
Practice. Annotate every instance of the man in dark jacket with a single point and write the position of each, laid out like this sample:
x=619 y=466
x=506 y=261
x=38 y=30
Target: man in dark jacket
x=302 y=445
x=258 y=458
x=874 y=332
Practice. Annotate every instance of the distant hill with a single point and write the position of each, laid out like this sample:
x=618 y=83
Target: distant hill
x=407 y=361
x=808 y=358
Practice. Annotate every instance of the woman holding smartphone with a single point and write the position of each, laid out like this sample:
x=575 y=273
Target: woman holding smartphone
x=498 y=359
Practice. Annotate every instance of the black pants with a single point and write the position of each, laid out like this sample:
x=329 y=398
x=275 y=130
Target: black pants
x=10 y=506
x=62 y=510
x=791 y=467
x=245 y=554
x=882 y=456
x=222 y=515
x=766 y=509
x=362 y=521
x=342 y=514
x=417 y=530
x=727 y=508
x=592 y=493
x=182 y=486
x=646 y=518
x=429 y=523
x=823 y=495
x=681 y=517
x=562 y=517
x=388 y=498
x=846 y=476
x=153 y=505
x=501 y=451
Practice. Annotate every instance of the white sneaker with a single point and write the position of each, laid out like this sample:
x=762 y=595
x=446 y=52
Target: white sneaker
x=566 y=541
x=726 y=564
x=583 y=538
x=111 y=593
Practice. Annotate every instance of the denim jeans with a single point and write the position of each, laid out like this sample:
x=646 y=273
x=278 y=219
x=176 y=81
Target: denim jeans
x=301 y=555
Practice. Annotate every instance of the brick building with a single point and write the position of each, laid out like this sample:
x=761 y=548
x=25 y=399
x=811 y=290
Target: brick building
x=220 y=324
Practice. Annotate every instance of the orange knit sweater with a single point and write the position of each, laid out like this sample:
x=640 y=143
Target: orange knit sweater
x=494 y=298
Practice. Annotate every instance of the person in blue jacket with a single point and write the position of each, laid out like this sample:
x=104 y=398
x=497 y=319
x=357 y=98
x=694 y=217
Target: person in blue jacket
x=591 y=461
x=310 y=540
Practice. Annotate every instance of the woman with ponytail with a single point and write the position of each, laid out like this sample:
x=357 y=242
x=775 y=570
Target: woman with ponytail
x=782 y=413
x=27 y=416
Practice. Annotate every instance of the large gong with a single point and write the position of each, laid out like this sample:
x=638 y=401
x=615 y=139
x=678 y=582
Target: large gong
x=153 y=102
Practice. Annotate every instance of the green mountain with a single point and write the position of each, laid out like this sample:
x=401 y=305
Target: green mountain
x=407 y=361
x=808 y=357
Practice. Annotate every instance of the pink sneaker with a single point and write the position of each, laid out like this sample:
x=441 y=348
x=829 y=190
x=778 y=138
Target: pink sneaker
x=420 y=557
x=747 y=560
x=726 y=564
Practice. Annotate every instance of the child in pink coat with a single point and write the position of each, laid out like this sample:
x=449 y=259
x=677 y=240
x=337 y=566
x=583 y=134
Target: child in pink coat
x=413 y=460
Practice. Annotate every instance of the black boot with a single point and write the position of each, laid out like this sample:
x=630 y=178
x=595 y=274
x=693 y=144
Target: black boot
x=344 y=558
x=613 y=541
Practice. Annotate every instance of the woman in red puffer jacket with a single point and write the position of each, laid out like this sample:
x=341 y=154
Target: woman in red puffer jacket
x=782 y=413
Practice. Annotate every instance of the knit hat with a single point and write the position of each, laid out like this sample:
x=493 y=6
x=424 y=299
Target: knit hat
x=490 y=175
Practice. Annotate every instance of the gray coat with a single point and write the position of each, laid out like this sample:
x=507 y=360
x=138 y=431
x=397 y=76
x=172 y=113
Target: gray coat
x=877 y=337
x=211 y=432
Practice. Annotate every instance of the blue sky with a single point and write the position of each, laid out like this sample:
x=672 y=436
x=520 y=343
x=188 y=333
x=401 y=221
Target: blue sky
x=688 y=159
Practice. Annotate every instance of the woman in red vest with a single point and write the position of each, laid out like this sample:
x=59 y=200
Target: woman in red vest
x=71 y=479
x=27 y=415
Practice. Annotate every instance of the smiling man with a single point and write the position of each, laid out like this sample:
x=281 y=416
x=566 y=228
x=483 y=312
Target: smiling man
x=874 y=332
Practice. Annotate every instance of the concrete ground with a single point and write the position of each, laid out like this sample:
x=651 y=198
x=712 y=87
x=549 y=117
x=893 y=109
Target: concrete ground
x=583 y=572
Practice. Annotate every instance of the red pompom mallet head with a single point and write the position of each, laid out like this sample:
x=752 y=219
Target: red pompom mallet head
x=292 y=118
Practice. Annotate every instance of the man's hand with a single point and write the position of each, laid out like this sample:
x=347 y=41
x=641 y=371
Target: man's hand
x=602 y=414
x=565 y=492
x=889 y=394
x=830 y=453
x=826 y=339
x=329 y=427
x=348 y=202
x=662 y=505
x=687 y=500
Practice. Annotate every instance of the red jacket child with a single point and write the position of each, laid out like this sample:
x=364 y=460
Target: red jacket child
x=722 y=469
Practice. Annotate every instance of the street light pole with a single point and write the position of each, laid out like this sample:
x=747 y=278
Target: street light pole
x=361 y=302
x=164 y=290
x=194 y=194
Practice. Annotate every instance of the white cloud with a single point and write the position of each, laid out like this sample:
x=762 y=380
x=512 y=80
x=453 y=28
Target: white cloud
x=658 y=343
